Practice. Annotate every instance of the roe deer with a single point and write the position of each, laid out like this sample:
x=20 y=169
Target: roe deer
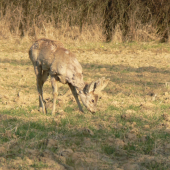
x=51 y=58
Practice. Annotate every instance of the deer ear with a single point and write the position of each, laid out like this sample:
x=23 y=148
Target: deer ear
x=96 y=86
x=89 y=87
x=100 y=84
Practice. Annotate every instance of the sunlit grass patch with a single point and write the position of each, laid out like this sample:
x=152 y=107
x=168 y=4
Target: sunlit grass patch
x=165 y=107
x=135 y=108
x=39 y=165
x=18 y=111
x=112 y=108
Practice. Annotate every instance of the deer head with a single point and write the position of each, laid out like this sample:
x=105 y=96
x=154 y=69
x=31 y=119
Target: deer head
x=89 y=95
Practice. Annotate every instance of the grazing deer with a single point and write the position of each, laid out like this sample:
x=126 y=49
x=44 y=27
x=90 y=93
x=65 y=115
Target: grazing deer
x=51 y=58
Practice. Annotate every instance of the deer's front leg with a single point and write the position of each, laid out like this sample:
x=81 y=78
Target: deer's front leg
x=55 y=93
x=74 y=92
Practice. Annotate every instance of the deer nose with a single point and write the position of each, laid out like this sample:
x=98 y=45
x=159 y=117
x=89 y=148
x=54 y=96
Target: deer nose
x=93 y=110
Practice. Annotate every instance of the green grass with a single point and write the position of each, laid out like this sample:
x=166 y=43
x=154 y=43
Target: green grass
x=39 y=165
x=70 y=162
x=111 y=108
x=135 y=108
x=18 y=111
x=109 y=150
x=165 y=107
x=28 y=131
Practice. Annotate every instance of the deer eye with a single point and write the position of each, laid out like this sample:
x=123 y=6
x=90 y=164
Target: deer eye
x=92 y=101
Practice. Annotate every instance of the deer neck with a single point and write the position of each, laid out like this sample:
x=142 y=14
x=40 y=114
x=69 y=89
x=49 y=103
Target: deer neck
x=81 y=93
x=83 y=97
x=80 y=88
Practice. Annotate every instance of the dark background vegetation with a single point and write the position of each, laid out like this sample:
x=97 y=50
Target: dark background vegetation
x=25 y=17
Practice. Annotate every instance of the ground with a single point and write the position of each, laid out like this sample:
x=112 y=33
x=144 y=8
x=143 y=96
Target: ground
x=130 y=130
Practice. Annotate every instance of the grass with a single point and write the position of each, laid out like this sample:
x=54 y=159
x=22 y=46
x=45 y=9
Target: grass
x=27 y=131
x=129 y=125
x=39 y=165
x=109 y=150
x=101 y=46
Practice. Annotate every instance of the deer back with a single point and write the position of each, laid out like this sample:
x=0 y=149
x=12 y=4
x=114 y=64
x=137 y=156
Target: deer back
x=42 y=52
x=67 y=68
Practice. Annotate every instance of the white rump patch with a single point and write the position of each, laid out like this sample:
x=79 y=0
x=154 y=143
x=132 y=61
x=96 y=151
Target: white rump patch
x=67 y=52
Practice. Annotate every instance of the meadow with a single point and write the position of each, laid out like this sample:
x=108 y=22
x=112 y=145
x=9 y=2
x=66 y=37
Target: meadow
x=130 y=130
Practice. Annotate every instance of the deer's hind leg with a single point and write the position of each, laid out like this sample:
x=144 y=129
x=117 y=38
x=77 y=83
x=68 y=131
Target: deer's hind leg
x=44 y=78
x=41 y=78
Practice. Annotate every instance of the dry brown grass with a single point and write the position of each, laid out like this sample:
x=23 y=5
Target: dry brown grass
x=40 y=25
x=83 y=21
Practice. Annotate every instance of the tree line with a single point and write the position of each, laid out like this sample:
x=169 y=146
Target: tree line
x=23 y=16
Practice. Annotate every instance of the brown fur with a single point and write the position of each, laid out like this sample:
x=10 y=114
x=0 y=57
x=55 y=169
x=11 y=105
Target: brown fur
x=49 y=57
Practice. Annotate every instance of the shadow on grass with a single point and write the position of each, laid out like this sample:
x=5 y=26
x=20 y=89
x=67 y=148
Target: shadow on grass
x=130 y=77
x=125 y=69
x=114 y=68
x=34 y=135
x=118 y=74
